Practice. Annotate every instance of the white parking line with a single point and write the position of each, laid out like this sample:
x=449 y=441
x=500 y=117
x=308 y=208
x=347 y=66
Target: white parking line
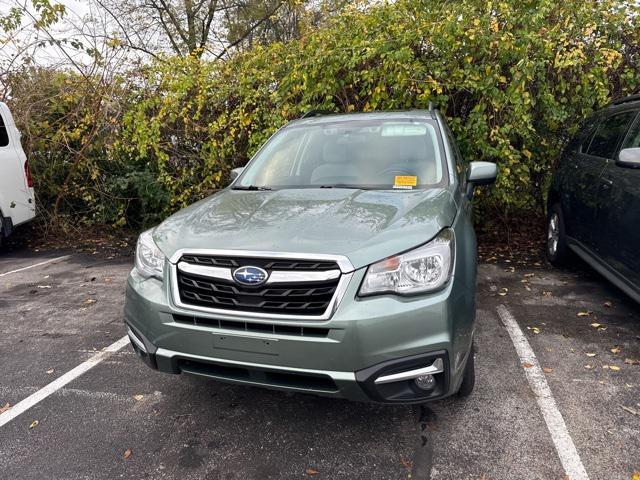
x=64 y=257
x=60 y=382
x=555 y=423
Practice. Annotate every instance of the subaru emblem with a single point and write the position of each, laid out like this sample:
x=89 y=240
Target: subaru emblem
x=250 y=275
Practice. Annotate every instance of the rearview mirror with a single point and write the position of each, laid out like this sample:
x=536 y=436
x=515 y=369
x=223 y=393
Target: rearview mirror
x=629 y=158
x=235 y=173
x=480 y=173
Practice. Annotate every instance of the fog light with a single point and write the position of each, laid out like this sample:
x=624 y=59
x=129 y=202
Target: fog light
x=425 y=382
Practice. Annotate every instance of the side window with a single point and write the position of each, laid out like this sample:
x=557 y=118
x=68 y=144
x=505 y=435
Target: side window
x=609 y=132
x=4 y=135
x=632 y=139
x=581 y=140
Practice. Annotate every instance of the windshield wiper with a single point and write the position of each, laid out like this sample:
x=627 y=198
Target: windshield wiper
x=250 y=187
x=346 y=185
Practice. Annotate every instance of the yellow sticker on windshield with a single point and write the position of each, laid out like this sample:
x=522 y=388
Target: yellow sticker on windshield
x=405 y=181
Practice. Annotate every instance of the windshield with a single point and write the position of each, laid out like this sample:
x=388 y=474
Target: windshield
x=379 y=154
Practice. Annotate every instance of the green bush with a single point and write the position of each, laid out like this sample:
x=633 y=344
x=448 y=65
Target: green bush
x=514 y=78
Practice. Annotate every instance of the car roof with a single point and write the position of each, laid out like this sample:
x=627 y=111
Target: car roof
x=631 y=102
x=320 y=118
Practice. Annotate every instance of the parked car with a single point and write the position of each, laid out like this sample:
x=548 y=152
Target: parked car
x=17 y=203
x=594 y=200
x=341 y=261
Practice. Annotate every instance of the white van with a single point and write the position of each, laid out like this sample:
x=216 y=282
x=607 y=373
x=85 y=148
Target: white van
x=17 y=203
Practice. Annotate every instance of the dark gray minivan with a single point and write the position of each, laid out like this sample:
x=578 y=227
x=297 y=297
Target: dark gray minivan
x=594 y=199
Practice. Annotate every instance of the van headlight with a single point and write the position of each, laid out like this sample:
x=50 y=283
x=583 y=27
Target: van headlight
x=423 y=269
x=149 y=258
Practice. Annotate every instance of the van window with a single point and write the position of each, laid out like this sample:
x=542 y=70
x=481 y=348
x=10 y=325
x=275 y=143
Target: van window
x=4 y=135
x=606 y=139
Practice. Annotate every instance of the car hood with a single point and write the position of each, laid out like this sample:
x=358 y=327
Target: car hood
x=363 y=225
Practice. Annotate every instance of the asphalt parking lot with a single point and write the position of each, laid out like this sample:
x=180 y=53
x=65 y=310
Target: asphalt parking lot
x=574 y=407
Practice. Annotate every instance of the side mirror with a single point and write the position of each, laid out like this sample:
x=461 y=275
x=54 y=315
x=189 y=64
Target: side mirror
x=480 y=173
x=629 y=158
x=235 y=173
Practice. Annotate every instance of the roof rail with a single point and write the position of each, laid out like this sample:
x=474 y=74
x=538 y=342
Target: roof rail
x=316 y=113
x=631 y=98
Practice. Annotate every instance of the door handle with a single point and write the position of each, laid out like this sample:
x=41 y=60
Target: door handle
x=606 y=183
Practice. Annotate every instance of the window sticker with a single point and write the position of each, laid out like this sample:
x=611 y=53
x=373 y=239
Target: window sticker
x=405 y=181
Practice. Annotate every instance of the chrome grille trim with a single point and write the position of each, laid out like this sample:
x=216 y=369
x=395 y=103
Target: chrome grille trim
x=277 y=276
x=213 y=272
x=342 y=261
x=301 y=277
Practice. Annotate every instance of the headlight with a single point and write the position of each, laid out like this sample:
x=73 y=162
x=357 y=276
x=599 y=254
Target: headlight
x=149 y=258
x=424 y=269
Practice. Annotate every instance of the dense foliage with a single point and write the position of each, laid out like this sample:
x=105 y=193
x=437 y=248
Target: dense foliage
x=514 y=78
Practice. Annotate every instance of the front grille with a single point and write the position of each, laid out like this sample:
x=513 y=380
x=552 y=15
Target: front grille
x=254 y=327
x=291 y=298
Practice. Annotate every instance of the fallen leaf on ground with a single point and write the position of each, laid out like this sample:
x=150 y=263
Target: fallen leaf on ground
x=591 y=354
x=503 y=292
x=615 y=368
x=89 y=301
x=405 y=463
x=527 y=365
x=596 y=325
x=632 y=361
x=615 y=350
x=138 y=397
x=50 y=371
x=311 y=471
x=546 y=294
x=608 y=304
x=6 y=407
x=588 y=367
x=547 y=370
x=585 y=314
x=635 y=476
x=44 y=286
x=34 y=424
x=633 y=411
x=127 y=453
x=535 y=330
x=529 y=275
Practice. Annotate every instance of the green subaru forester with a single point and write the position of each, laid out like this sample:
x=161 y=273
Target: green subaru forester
x=341 y=261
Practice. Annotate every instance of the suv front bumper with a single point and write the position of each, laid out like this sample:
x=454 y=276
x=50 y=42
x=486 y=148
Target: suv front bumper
x=365 y=339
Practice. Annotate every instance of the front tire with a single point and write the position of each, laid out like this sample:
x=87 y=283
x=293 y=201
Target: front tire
x=558 y=252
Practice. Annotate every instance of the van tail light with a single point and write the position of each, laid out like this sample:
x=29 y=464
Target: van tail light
x=27 y=174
